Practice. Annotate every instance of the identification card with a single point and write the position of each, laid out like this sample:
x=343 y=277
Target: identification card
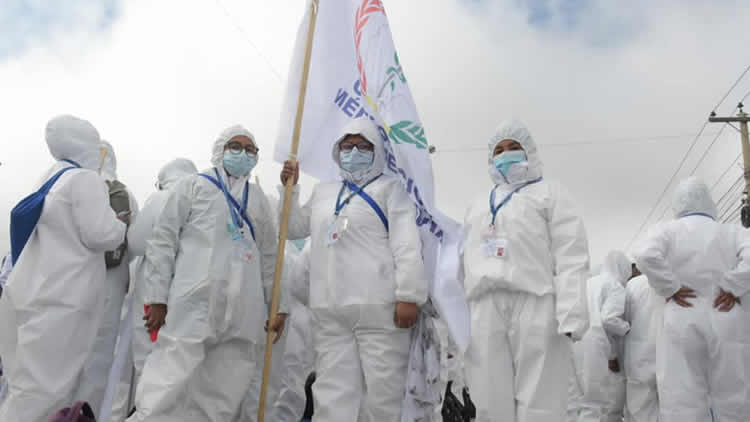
x=494 y=247
x=336 y=228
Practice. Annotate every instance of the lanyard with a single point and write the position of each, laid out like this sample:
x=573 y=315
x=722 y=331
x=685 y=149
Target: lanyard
x=494 y=209
x=72 y=162
x=356 y=190
x=238 y=213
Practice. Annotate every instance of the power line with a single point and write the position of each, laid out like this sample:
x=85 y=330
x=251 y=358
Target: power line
x=732 y=87
x=705 y=153
x=733 y=187
x=612 y=141
x=725 y=172
x=249 y=41
x=669 y=183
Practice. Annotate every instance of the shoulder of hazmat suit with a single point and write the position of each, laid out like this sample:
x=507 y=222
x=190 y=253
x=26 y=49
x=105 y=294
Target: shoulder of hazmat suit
x=216 y=279
x=547 y=249
x=55 y=292
x=169 y=175
x=369 y=264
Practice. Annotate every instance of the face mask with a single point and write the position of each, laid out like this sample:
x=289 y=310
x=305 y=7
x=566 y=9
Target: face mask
x=239 y=165
x=299 y=244
x=354 y=160
x=505 y=161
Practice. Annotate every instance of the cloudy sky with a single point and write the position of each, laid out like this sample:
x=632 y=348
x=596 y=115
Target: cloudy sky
x=614 y=92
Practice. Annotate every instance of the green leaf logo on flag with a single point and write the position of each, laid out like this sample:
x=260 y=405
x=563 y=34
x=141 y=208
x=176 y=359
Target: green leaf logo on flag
x=408 y=132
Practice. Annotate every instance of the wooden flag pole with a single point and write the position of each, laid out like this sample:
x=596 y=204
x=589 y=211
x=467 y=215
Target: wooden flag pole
x=285 y=211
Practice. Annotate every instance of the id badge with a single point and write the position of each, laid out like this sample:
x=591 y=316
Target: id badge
x=241 y=247
x=336 y=228
x=494 y=246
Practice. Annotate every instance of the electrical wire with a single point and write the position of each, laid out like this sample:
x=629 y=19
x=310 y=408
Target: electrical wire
x=732 y=87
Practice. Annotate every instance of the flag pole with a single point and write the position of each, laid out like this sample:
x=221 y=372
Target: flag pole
x=285 y=210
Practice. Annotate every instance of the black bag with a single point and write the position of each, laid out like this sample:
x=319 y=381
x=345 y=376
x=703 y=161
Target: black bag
x=119 y=200
x=455 y=411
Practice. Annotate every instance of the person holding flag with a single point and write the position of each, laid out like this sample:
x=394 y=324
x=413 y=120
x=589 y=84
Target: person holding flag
x=366 y=279
x=526 y=263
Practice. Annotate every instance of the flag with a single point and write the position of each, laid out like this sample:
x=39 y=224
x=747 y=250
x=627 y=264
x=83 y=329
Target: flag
x=355 y=72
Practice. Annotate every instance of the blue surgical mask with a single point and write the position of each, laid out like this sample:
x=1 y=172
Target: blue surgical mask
x=356 y=160
x=504 y=161
x=239 y=165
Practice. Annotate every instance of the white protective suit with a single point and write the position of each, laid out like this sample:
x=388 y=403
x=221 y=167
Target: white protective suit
x=217 y=282
x=138 y=236
x=523 y=303
x=603 y=390
x=50 y=308
x=703 y=355
x=643 y=308
x=362 y=357
x=116 y=280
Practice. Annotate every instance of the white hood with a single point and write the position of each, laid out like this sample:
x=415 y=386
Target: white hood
x=174 y=171
x=109 y=165
x=71 y=138
x=617 y=265
x=368 y=130
x=217 y=157
x=693 y=196
x=517 y=131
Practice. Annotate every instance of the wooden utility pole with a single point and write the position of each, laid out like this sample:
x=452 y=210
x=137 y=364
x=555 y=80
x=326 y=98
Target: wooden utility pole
x=742 y=118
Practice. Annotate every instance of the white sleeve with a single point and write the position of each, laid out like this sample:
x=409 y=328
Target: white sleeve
x=651 y=258
x=98 y=226
x=140 y=230
x=268 y=243
x=161 y=252
x=737 y=280
x=300 y=283
x=613 y=310
x=299 y=216
x=569 y=248
x=406 y=247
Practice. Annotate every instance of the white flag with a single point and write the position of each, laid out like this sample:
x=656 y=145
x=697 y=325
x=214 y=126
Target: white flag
x=355 y=72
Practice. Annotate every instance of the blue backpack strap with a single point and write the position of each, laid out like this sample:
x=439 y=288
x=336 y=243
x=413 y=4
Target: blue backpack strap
x=25 y=215
x=234 y=203
x=374 y=205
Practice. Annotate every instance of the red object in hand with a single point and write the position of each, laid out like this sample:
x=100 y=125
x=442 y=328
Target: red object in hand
x=154 y=334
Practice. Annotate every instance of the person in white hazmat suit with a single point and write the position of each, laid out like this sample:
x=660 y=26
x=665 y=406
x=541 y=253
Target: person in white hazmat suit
x=702 y=268
x=210 y=263
x=51 y=305
x=643 y=308
x=96 y=373
x=138 y=236
x=525 y=263
x=366 y=280
x=603 y=379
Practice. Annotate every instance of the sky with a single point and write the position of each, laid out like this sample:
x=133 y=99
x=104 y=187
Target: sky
x=613 y=92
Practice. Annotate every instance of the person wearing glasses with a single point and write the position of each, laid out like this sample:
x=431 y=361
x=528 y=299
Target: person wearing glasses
x=366 y=279
x=209 y=270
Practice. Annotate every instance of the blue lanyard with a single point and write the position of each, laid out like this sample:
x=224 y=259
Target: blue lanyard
x=72 y=162
x=494 y=209
x=698 y=213
x=238 y=213
x=356 y=190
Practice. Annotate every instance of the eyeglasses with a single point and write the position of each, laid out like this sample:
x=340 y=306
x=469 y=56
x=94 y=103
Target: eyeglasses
x=362 y=146
x=237 y=148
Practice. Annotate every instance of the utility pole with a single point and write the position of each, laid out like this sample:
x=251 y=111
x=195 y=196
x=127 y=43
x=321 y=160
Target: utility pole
x=742 y=118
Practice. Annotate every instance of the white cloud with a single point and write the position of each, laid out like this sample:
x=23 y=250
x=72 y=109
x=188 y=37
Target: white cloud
x=169 y=75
